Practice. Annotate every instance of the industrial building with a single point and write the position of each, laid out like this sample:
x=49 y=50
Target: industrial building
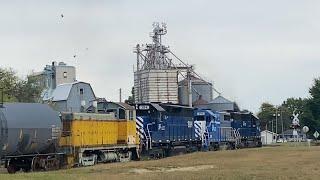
x=54 y=75
x=218 y=104
x=71 y=97
x=200 y=90
x=268 y=137
x=155 y=78
x=156 y=85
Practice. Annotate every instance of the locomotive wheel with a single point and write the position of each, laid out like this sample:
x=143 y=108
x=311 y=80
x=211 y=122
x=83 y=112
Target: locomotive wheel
x=12 y=169
x=35 y=165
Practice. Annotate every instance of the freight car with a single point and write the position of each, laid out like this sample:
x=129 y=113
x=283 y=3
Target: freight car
x=166 y=129
x=34 y=137
x=29 y=135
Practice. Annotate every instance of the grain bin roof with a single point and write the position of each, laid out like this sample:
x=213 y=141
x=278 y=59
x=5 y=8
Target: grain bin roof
x=220 y=100
x=194 y=80
x=62 y=91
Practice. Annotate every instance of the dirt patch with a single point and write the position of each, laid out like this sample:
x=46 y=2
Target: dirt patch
x=172 y=169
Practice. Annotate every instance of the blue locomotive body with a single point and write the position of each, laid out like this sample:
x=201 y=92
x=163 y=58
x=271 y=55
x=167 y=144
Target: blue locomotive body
x=216 y=129
x=248 y=126
x=231 y=129
x=165 y=127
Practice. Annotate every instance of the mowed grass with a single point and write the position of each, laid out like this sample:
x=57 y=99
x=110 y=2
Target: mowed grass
x=283 y=162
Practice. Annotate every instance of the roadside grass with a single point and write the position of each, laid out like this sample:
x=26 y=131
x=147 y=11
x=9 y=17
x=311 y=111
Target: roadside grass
x=287 y=161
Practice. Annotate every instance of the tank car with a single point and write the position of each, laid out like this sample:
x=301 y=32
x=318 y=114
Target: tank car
x=28 y=134
x=166 y=129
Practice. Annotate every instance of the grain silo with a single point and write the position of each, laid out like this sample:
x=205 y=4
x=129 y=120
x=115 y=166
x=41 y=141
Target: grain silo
x=155 y=78
x=200 y=88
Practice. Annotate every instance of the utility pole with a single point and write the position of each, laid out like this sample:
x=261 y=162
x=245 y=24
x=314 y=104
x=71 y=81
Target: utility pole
x=282 y=125
x=276 y=121
x=189 y=87
x=272 y=130
x=120 y=95
x=276 y=116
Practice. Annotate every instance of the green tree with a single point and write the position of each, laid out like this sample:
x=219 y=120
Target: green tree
x=314 y=101
x=266 y=114
x=8 y=82
x=313 y=107
x=297 y=105
x=16 y=89
x=28 y=90
x=131 y=98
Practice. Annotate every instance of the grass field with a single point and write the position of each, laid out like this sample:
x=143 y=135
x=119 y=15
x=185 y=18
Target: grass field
x=282 y=162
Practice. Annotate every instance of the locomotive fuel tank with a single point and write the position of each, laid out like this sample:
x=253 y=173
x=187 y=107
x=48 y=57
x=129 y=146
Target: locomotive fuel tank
x=28 y=128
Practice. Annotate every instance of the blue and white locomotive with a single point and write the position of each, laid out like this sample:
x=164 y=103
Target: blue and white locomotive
x=248 y=127
x=166 y=129
x=216 y=130
x=228 y=129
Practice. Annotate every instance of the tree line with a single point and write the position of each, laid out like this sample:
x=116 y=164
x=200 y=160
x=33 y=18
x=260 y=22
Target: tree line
x=16 y=89
x=308 y=108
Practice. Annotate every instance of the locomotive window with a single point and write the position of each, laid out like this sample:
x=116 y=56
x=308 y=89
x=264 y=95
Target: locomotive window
x=122 y=114
x=226 y=118
x=200 y=118
x=131 y=115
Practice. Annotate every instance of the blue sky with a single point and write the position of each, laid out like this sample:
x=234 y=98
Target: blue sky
x=254 y=51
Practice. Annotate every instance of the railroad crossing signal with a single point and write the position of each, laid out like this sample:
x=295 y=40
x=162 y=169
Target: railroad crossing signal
x=316 y=134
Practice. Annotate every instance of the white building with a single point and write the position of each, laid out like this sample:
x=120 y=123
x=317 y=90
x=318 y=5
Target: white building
x=268 y=137
x=53 y=75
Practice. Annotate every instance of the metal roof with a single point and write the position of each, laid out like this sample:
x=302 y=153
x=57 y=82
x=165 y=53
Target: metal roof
x=62 y=91
x=176 y=105
x=124 y=105
x=220 y=100
x=194 y=80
